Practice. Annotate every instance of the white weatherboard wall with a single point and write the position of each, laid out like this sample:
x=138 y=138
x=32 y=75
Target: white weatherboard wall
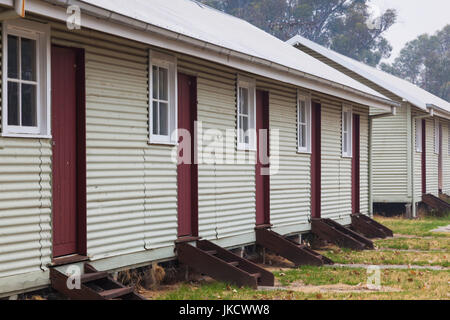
x=445 y=157
x=390 y=168
x=417 y=176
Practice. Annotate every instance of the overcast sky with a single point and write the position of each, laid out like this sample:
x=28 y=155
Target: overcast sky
x=415 y=17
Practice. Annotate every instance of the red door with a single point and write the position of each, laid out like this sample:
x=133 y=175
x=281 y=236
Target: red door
x=68 y=136
x=424 y=156
x=316 y=160
x=262 y=177
x=187 y=170
x=440 y=178
x=356 y=193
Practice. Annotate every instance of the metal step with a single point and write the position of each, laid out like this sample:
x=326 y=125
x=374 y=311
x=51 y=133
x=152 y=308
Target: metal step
x=369 y=227
x=436 y=203
x=292 y=251
x=223 y=265
x=332 y=231
x=94 y=286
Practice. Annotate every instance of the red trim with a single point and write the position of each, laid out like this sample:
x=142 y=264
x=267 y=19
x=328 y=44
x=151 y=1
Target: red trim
x=262 y=181
x=80 y=155
x=356 y=169
x=424 y=156
x=440 y=177
x=316 y=160
x=81 y=152
x=188 y=173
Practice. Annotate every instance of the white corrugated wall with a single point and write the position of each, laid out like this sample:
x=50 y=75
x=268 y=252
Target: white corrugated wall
x=290 y=185
x=432 y=159
x=25 y=209
x=446 y=156
x=336 y=170
x=390 y=169
x=226 y=191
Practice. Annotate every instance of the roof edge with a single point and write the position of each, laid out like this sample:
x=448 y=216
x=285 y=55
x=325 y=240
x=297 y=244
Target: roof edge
x=339 y=90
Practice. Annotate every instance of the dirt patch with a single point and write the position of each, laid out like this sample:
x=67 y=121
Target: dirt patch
x=299 y=286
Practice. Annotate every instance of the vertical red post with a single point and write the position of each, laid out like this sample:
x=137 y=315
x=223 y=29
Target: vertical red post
x=356 y=169
x=262 y=181
x=316 y=160
x=424 y=156
x=187 y=172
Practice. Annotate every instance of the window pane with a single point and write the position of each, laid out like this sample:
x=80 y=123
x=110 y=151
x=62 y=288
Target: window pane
x=163 y=84
x=155 y=82
x=13 y=61
x=302 y=138
x=345 y=122
x=13 y=104
x=243 y=100
x=163 y=119
x=155 y=118
x=28 y=59
x=345 y=143
x=302 y=112
x=29 y=115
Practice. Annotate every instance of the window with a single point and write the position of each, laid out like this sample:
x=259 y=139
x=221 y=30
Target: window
x=304 y=123
x=437 y=137
x=163 y=99
x=26 y=68
x=419 y=130
x=246 y=118
x=347 y=122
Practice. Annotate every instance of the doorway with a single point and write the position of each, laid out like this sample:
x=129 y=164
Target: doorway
x=69 y=152
x=316 y=160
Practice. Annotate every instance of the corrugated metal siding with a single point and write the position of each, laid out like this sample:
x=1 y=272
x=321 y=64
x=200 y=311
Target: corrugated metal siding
x=446 y=156
x=364 y=158
x=25 y=204
x=290 y=199
x=432 y=160
x=226 y=191
x=131 y=186
x=336 y=170
x=417 y=166
x=390 y=169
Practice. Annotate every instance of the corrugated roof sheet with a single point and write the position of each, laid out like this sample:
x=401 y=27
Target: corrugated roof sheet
x=201 y=22
x=401 y=88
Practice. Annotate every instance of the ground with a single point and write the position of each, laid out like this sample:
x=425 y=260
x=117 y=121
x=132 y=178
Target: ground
x=412 y=265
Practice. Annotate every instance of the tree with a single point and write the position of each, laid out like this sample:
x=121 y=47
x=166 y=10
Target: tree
x=343 y=25
x=425 y=62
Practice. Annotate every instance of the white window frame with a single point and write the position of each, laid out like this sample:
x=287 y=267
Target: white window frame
x=41 y=34
x=436 y=137
x=347 y=111
x=250 y=85
x=419 y=138
x=307 y=123
x=168 y=62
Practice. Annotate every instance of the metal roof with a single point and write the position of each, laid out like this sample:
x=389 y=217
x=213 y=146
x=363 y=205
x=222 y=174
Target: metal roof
x=385 y=83
x=200 y=22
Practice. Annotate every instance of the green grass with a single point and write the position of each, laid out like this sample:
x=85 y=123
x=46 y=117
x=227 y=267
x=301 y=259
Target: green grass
x=388 y=257
x=440 y=243
x=404 y=284
x=419 y=227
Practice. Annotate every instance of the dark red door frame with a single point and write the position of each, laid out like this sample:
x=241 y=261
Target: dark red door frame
x=440 y=177
x=80 y=127
x=262 y=181
x=356 y=169
x=316 y=160
x=424 y=156
x=188 y=173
